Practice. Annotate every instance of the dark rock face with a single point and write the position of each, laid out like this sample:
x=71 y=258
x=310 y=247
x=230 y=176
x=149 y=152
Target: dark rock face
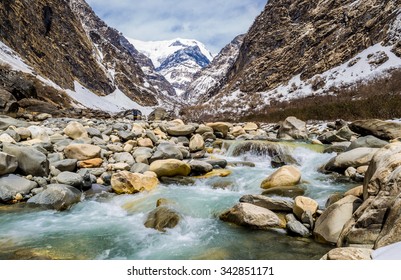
x=64 y=41
x=306 y=37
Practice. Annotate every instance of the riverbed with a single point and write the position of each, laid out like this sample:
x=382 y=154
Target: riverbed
x=109 y=226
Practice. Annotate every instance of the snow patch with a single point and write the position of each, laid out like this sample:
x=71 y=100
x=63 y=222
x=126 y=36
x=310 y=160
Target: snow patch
x=10 y=57
x=113 y=103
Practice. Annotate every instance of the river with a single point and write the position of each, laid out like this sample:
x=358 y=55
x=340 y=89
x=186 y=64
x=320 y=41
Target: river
x=109 y=226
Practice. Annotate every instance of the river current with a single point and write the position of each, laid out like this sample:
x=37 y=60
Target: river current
x=109 y=226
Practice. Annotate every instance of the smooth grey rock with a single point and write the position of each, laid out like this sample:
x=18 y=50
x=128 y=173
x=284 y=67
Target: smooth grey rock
x=200 y=167
x=139 y=168
x=65 y=165
x=367 y=142
x=8 y=163
x=6 y=122
x=293 y=128
x=30 y=160
x=167 y=151
x=219 y=163
x=94 y=132
x=124 y=157
x=12 y=184
x=294 y=226
x=57 y=196
x=70 y=178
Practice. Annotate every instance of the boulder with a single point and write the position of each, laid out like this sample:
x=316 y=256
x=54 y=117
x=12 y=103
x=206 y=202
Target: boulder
x=167 y=151
x=69 y=178
x=220 y=127
x=367 y=142
x=348 y=253
x=57 y=196
x=249 y=215
x=124 y=157
x=181 y=130
x=139 y=168
x=303 y=204
x=82 y=151
x=292 y=128
x=93 y=132
x=329 y=225
x=353 y=158
x=200 y=167
x=217 y=163
x=65 y=164
x=8 y=163
x=75 y=130
x=357 y=191
x=178 y=180
x=23 y=132
x=125 y=182
x=385 y=130
x=380 y=193
x=237 y=131
x=170 y=168
x=250 y=126
x=273 y=204
x=6 y=138
x=391 y=232
x=30 y=160
x=202 y=129
x=295 y=227
x=284 y=176
x=161 y=218
x=8 y=103
x=39 y=133
x=159 y=114
x=6 y=122
x=11 y=185
x=196 y=143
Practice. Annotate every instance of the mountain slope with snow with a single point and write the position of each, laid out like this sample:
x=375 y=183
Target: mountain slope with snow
x=177 y=60
x=298 y=49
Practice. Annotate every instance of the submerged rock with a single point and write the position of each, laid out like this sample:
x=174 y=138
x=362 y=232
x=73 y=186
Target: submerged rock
x=161 y=218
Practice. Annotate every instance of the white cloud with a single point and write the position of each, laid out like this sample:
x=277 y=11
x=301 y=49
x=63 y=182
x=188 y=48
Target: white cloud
x=213 y=22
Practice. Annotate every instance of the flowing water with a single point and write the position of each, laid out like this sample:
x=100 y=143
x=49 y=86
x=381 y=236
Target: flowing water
x=107 y=226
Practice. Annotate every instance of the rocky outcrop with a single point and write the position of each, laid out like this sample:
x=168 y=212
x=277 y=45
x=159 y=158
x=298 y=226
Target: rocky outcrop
x=382 y=129
x=376 y=220
x=65 y=42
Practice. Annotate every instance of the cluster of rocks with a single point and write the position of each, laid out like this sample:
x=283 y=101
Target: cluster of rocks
x=363 y=218
x=57 y=162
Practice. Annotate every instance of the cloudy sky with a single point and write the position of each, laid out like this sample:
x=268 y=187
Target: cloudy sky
x=213 y=22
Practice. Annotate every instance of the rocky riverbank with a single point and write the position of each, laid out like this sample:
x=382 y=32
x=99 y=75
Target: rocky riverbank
x=55 y=163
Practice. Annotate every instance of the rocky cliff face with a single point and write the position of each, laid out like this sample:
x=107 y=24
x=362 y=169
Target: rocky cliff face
x=206 y=81
x=65 y=45
x=302 y=48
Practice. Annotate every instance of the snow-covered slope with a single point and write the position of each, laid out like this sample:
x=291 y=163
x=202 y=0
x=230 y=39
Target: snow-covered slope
x=204 y=83
x=81 y=96
x=177 y=60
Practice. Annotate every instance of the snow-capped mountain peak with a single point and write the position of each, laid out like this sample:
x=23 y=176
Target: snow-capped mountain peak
x=158 y=51
x=177 y=60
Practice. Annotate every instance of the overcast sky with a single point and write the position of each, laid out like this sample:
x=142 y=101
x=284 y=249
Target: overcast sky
x=213 y=22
